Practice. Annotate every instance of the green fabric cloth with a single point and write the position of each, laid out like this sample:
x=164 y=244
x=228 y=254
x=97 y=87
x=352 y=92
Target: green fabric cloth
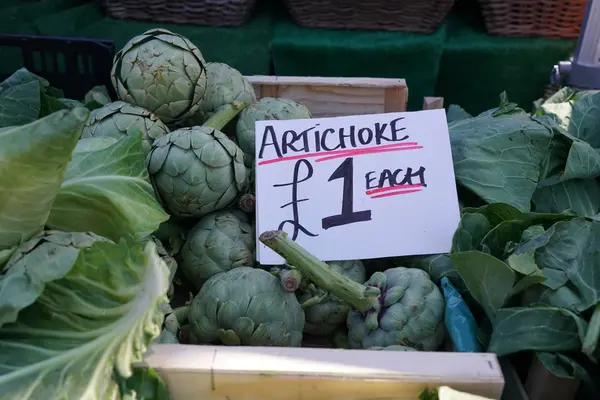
x=459 y=62
x=244 y=48
x=477 y=67
x=341 y=53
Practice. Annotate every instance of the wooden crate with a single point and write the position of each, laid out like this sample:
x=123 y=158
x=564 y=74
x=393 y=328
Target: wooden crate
x=332 y=97
x=270 y=373
x=277 y=373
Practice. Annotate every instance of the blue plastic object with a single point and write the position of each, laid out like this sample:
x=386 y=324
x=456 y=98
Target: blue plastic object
x=460 y=323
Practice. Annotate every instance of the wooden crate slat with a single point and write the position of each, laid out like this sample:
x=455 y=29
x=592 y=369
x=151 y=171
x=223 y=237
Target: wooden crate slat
x=272 y=373
x=331 y=97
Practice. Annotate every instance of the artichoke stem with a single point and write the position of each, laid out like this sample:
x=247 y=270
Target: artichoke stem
x=590 y=342
x=290 y=279
x=225 y=114
x=247 y=203
x=314 y=300
x=318 y=272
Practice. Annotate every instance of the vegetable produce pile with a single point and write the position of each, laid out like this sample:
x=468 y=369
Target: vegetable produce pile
x=131 y=221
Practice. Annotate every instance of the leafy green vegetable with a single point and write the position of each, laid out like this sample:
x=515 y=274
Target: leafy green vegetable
x=108 y=192
x=144 y=384
x=43 y=259
x=456 y=113
x=488 y=279
x=498 y=156
x=92 y=323
x=33 y=161
x=536 y=328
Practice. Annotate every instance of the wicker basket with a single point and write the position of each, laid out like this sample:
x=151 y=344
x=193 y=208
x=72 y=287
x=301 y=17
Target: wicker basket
x=526 y=18
x=421 y=16
x=182 y=12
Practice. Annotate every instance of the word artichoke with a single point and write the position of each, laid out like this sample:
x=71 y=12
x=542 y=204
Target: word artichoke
x=120 y=119
x=219 y=242
x=246 y=306
x=198 y=170
x=160 y=71
x=267 y=108
x=399 y=306
x=329 y=312
x=224 y=86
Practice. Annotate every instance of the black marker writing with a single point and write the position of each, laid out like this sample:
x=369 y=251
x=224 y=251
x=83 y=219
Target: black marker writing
x=317 y=139
x=295 y=222
x=348 y=216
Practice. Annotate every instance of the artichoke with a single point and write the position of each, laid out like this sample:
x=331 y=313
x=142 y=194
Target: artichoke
x=198 y=170
x=160 y=71
x=219 y=242
x=246 y=306
x=224 y=86
x=266 y=108
x=324 y=317
x=399 y=306
x=120 y=119
x=97 y=97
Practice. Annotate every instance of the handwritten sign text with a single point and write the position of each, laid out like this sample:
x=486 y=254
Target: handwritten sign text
x=357 y=187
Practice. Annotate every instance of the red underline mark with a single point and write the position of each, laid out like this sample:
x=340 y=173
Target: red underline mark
x=387 y=189
x=346 y=152
x=370 y=150
x=396 y=193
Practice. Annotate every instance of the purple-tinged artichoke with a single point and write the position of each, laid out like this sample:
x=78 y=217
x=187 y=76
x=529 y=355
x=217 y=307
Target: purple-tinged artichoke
x=399 y=306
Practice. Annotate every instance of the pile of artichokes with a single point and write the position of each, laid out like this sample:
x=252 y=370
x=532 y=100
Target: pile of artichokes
x=197 y=122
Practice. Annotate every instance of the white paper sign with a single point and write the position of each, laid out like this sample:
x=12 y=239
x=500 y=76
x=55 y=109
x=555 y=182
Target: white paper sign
x=357 y=187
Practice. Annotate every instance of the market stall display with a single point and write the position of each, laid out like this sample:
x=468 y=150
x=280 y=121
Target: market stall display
x=133 y=239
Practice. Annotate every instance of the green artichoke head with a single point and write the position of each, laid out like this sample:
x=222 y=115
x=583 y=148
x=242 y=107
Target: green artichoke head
x=267 y=108
x=409 y=312
x=224 y=85
x=219 y=242
x=120 y=119
x=327 y=315
x=246 y=306
x=161 y=71
x=196 y=171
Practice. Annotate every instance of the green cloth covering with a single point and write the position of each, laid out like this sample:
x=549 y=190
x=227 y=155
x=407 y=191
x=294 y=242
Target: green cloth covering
x=244 y=48
x=459 y=62
x=477 y=67
x=299 y=51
